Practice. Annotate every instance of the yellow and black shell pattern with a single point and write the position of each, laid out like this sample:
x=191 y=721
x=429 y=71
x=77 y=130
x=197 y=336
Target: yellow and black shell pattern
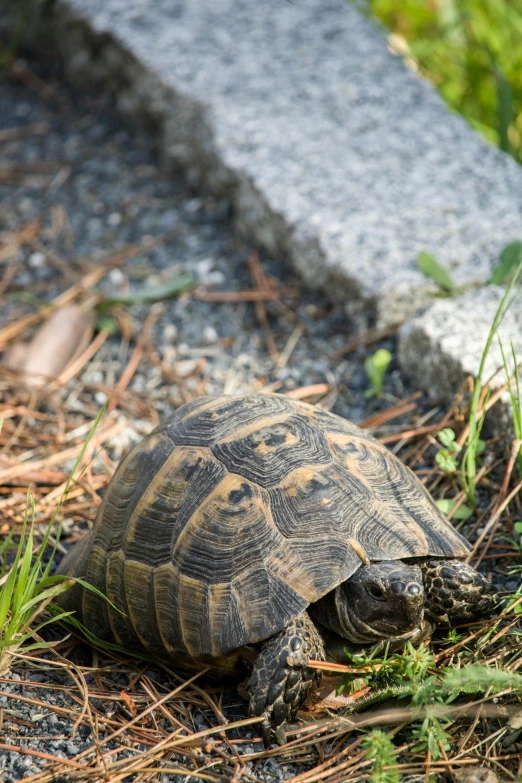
x=231 y=518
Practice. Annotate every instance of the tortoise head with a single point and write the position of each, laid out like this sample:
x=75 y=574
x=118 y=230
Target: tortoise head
x=380 y=601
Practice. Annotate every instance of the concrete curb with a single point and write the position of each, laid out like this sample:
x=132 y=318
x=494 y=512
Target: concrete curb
x=332 y=152
x=441 y=347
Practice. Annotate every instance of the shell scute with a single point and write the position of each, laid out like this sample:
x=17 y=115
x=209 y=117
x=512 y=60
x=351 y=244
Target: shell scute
x=215 y=418
x=223 y=539
x=406 y=522
x=267 y=453
x=179 y=487
x=133 y=477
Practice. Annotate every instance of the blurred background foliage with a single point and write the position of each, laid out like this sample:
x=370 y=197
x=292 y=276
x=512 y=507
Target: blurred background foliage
x=472 y=51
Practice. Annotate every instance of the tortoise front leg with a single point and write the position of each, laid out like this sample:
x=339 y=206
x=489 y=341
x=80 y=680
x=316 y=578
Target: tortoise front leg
x=455 y=592
x=281 y=679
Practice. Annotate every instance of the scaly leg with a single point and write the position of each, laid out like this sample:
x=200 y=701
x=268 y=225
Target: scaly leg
x=280 y=680
x=455 y=592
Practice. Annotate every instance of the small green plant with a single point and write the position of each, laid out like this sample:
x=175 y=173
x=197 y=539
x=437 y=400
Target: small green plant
x=453 y=636
x=430 y=267
x=379 y=669
x=376 y=366
x=26 y=592
x=414 y=674
x=445 y=457
x=26 y=586
x=447 y=438
x=380 y=750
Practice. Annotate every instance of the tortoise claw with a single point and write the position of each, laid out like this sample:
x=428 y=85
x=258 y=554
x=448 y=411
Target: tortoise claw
x=269 y=734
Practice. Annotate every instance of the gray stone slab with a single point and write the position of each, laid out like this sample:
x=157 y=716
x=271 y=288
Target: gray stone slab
x=441 y=347
x=332 y=151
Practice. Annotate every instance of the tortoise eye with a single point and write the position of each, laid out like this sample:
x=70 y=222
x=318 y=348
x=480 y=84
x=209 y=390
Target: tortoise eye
x=376 y=592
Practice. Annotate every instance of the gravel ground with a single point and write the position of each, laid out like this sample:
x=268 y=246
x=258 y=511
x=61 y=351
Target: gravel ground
x=96 y=187
x=99 y=189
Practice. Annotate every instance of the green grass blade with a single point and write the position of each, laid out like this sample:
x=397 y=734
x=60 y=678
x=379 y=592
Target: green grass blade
x=429 y=266
x=6 y=594
x=28 y=587
x=468 y=471
x=4 y=545
x=514 y=399
x=43 y=596
x=517 y=409
x=8 y=588
x=70 y=482
x=176 y=285
x=23 y=574
x=510 y=257
x=97 y=592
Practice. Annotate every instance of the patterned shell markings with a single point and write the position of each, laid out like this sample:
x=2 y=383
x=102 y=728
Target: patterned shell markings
x=232 y=517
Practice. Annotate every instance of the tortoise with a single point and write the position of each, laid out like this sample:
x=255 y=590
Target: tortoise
x=254 y=526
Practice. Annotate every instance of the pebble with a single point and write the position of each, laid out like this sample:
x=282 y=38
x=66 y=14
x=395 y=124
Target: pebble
x=209 y=335
x=37 y=260
x=116 y=276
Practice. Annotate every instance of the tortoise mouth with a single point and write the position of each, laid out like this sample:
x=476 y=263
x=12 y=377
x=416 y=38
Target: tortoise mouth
x=389 y=628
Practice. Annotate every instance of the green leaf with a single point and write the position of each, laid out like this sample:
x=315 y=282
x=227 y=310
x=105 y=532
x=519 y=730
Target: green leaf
x=154 y=293
x=446 y=461
x=447 y=438
x=446 y=506
x=510 y=258
x=518 y=527
x=376 y=366
x=429 y=266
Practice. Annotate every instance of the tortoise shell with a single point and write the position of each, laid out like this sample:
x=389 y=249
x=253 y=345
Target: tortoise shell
x=231 y=518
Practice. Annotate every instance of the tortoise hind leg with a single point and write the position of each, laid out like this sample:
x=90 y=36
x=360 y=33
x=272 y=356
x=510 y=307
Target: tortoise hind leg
x=281 y=679
x=455 y=592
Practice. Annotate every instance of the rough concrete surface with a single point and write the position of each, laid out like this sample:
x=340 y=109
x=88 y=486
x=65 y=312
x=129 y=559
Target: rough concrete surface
x=331 y=150
x=441 y=347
